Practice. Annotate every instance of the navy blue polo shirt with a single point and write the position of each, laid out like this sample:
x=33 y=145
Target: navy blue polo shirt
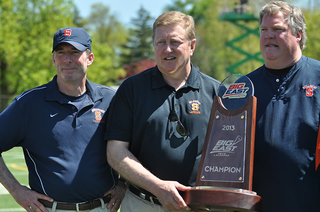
x=286 y=135
x=139 y=114
x=64 y=147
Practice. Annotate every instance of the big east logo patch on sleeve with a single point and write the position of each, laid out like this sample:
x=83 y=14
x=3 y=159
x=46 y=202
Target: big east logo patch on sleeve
x=236 y=91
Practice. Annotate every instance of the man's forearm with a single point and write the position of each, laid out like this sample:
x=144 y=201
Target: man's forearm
x=6 y=177
x=129 y=167
x=125 y=163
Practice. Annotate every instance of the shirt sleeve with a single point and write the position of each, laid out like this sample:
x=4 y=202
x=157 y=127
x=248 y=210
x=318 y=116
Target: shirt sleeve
x=12 y=128
x=120 y=117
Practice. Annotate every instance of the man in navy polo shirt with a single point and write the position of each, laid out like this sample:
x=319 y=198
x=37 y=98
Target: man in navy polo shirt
x=287 y=88
x=158 y=121
x=60 y=126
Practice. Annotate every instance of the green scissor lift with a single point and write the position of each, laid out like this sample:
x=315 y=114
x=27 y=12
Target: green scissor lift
x=237 y=19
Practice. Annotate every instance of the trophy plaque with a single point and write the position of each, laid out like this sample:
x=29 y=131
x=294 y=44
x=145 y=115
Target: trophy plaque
x=224 y=180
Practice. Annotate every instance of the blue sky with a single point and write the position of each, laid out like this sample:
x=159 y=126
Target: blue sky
x=127 y=9
x=124 y=9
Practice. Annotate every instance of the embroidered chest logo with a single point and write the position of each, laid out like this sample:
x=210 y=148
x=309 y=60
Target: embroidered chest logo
x=98 y=114
x=194 y=107
x=309 y=90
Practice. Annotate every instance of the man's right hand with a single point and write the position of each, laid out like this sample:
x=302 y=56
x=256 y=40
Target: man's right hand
x=169 y=197
x=28 y=199
x=24 y=196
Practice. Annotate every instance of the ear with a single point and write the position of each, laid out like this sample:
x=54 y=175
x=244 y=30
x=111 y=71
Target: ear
x=298 y=36
x=193 y=46
x=53 y=60
x=90 y=59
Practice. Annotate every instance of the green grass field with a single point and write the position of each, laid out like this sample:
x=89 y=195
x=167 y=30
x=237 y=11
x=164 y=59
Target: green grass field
x=15 y=162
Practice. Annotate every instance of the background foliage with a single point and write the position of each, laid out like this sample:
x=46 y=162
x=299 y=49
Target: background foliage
x=27 y=28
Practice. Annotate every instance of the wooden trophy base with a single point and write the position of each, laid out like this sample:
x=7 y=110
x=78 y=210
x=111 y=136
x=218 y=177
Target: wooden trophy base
x=221 y=199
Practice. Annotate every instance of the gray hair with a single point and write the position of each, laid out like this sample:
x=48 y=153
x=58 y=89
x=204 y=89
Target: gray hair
x=292 y=14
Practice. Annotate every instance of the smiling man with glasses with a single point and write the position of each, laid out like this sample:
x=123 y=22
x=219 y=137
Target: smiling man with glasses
x=158 y=121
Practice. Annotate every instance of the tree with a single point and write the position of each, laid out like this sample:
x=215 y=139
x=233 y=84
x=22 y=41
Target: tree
x=104 y=69
x=195 y=8
x=105 y=26
x=27 y=28
x=108 y=34
x=139 y=44
x=77 y=19
x=313 y=45
x=137 y=67
x=212 y=55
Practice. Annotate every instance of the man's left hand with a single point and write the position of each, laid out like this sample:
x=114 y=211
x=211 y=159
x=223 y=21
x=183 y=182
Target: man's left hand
x=117 y=195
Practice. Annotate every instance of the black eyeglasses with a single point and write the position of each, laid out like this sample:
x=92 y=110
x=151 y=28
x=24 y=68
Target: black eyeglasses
x=180 y=128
